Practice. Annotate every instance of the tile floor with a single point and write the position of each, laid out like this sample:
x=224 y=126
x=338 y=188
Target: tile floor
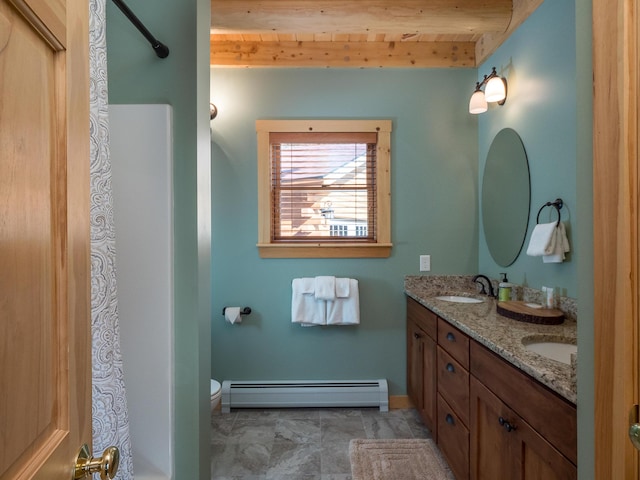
x=299 y=444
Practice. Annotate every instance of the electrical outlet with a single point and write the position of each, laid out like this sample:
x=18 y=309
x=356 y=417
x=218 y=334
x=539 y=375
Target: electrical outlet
x=425 y=263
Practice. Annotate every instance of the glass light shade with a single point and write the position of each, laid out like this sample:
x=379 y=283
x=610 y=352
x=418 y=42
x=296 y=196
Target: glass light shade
x=495 y=90
x=478 y=103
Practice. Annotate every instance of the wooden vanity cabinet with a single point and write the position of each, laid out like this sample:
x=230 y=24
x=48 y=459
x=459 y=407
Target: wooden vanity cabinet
x=490 y=420
x=421 y=362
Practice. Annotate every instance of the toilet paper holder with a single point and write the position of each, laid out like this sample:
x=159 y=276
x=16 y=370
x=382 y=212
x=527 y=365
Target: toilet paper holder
x=244 y=311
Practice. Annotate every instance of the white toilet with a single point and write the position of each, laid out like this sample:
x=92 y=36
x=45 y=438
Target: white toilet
x=216 y=393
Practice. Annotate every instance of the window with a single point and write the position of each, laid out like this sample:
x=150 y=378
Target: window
x=361 y=230
x=323 y=188
x=339 y=230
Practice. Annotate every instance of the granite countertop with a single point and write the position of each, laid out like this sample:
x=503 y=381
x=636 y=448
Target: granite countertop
x=500 y=334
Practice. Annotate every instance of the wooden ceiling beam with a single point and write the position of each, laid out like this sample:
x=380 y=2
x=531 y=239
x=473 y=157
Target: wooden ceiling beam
x=343 y=54
x=361 y=16
x=490 y=42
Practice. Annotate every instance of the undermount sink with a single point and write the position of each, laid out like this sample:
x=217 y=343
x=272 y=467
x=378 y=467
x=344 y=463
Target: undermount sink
x=558 y=350
x=458 y=299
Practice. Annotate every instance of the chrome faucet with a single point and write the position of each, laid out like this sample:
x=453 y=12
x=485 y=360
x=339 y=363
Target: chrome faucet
x=477 y=279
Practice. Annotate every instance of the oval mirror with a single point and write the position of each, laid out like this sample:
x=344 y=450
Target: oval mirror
x=506 y=197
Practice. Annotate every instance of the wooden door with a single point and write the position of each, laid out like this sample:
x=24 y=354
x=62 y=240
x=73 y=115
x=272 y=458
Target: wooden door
x=616 y=226
x=45 y=356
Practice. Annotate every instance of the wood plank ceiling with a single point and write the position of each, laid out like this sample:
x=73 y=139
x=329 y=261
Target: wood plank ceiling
x=361 y=33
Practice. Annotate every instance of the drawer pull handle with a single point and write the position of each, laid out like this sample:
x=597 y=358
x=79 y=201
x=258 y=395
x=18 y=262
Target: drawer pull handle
x=450 y=419
x=507 y=426
x=416 y=335
x=451 y=337
x=450 y=368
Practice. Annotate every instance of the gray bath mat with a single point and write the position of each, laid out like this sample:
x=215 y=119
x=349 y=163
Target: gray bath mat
x=406 y=459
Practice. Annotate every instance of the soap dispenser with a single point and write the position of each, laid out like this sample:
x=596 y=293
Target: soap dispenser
x=504 y=289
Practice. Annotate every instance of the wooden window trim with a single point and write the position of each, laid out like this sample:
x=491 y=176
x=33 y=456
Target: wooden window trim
x=381 y=248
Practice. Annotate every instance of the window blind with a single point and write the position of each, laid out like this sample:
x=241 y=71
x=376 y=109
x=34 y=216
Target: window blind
x=323 y=186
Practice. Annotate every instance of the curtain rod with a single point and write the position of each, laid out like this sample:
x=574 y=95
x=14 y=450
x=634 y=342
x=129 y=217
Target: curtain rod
x=160 y=48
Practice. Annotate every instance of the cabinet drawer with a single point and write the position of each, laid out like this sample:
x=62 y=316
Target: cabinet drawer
x=454 y=342
x=453 y=384
x=550 y=415
x=453 y=439
x=423 y=317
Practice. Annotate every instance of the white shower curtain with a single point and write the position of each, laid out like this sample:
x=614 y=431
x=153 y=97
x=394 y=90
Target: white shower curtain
x=109 y=404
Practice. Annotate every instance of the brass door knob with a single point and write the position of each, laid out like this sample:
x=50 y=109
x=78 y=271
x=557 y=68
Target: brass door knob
x=634 y=435
x=107 y=465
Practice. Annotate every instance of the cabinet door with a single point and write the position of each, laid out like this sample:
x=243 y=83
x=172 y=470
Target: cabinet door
x=490 y=443
x=429 y=384
x=505 y=447
x=537 y=459
x=414 y=364
x=421 y=374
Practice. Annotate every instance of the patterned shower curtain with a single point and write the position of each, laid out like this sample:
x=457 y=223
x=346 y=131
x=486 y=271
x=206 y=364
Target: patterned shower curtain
x=109 y=404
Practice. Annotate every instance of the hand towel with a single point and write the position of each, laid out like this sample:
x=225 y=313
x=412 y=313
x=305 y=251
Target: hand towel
x=345 y=311
x=561 y=246
x=303 y=285
x=342 y=287
x=543 y=239
x=305 y=309
x=325 y=288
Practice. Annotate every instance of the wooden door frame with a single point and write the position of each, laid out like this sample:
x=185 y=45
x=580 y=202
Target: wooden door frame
x=79 y=230
x=615 y=227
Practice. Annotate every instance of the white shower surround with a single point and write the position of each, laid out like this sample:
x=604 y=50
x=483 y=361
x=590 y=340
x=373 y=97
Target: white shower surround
x=142 y=164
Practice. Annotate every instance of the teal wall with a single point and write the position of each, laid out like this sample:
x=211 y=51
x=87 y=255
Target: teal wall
x=137 y=75
x=539 y=63
x=547 y=63
x=434 y=211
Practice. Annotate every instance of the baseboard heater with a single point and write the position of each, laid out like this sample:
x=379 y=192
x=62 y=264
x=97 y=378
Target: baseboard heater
x=305 y=393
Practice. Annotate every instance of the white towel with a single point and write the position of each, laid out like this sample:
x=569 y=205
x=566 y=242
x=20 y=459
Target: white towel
x=325 y=288
x=561 y=246
x=345 y=311
x=304 y=285
x=342 y=287
x=543 y=240
x=305 y=309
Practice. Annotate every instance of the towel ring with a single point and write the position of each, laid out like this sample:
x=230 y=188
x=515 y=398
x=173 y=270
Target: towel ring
x=557 y=204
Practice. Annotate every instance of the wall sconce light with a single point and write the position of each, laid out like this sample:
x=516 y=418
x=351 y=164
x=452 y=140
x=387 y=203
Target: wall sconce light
x=495 y=92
